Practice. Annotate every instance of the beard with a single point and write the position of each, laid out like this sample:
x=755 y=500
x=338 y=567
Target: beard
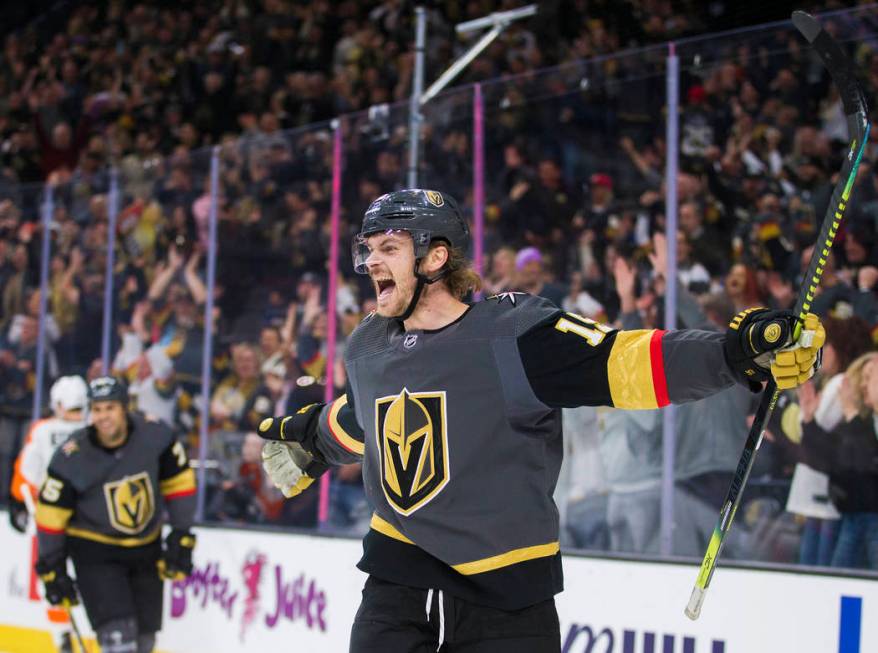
x=392 y=301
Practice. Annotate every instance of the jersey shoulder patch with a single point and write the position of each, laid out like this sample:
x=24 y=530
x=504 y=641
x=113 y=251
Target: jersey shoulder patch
x=74 y=443
x=511 y=296
x=70 y=447
x=67 y=460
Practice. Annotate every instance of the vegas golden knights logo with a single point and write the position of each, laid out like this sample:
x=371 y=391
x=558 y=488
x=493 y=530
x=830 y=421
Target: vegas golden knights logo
x=130 y=503
x=435 y=198
x=413 y=446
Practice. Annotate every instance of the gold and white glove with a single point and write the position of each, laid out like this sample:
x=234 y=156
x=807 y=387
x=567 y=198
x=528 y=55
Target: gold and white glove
x=285 y=464
x=288 y=457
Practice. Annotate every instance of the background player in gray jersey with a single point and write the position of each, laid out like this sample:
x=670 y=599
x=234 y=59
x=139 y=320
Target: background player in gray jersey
x=454 y=410
x=103 y=504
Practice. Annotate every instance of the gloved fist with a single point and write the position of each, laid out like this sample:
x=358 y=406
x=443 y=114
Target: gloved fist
x=294 y=428
x=759 y=345
x=285 y=463
x=18 y=515
x=60 y=588
x=794 y=365
x=176 y=560
x=289 y=458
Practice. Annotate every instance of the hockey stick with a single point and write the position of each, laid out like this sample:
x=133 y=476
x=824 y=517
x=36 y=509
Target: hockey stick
x=76 y=632
x=842 y=72
x=32 y=511
x=24 y=488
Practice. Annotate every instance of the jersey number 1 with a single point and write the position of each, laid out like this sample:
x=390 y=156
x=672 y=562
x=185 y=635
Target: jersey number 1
x=593 y=332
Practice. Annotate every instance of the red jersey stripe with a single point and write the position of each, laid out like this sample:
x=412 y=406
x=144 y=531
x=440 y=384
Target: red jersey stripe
x=657 y=362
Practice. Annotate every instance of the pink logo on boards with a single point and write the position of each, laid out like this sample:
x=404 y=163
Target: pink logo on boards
x=252 y=574
x=294 y=598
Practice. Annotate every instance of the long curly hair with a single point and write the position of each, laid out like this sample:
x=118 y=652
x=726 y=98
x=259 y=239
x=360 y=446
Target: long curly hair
x=461 y=278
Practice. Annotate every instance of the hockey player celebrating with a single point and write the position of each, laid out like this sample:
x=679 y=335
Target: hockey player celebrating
x=102 y=504
x=68 y=398
x=454 y=410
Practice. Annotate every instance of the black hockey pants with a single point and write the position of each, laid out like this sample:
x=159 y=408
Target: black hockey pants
x=408 y=620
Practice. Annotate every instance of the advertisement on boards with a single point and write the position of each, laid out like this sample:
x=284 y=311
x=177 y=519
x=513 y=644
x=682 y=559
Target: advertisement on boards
x=263 y=592
x=266 y=592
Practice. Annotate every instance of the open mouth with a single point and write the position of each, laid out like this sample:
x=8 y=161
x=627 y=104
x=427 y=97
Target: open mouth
x=384 y=287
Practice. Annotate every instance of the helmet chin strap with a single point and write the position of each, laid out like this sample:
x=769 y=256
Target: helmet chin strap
x=419 y=287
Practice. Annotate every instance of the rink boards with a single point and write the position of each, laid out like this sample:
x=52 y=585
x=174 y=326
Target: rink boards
x=265 y=592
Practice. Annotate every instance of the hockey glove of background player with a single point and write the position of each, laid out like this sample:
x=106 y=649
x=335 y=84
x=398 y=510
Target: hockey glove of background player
x=18 y=515
x=759 y=346
x=176 y=560
x=60 y=587
x=291 y=458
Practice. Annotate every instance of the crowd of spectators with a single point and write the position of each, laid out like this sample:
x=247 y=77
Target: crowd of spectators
x=127 y=97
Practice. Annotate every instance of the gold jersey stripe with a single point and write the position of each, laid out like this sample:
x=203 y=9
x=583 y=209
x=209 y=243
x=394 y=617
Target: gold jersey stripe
x=509 y=558
x=344 y=439
x=52 y=518
x=127 y=542
x=629 y=370
x=182 y=482
x=476 y=566
x=385 y=528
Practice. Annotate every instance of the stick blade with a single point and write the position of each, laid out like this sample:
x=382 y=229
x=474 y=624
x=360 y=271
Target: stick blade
x=693 y=609
x=806 y=24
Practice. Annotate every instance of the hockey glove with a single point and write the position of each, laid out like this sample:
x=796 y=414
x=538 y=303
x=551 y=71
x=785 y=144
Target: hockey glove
x=60 y=587
x=794 y=365
x=291 y=460
x=758 y=346
x=18 y=515
x=176 y=560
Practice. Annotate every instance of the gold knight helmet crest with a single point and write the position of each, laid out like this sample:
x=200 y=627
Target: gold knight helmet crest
x=435 y=198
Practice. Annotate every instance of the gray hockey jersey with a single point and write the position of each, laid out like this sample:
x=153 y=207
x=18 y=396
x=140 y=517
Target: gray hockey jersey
x=459 y=431
x=115 y=497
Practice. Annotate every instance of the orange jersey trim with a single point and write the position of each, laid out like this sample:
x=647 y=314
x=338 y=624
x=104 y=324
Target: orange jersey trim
x=18 y=478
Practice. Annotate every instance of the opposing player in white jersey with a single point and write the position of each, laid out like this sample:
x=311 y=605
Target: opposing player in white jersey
x=69 y=400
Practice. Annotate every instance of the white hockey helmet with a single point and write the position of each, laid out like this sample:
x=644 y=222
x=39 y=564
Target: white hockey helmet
x=69 y=393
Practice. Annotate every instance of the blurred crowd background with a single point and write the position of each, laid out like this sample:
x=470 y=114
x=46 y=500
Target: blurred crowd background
x=115 y=109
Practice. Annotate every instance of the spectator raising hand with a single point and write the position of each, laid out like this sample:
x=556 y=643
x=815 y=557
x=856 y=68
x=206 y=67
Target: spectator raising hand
x=626 y=277
x=658 y=256
x=808 y=401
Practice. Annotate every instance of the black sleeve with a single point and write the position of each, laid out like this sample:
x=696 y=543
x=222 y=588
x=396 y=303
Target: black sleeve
x=56 y=491
x=175 y=474
x=177 y=485
x=562 y=365
x=55 y=506
x=572 y=361
x=339 y=438
x=850 y=448
x=817 y=447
